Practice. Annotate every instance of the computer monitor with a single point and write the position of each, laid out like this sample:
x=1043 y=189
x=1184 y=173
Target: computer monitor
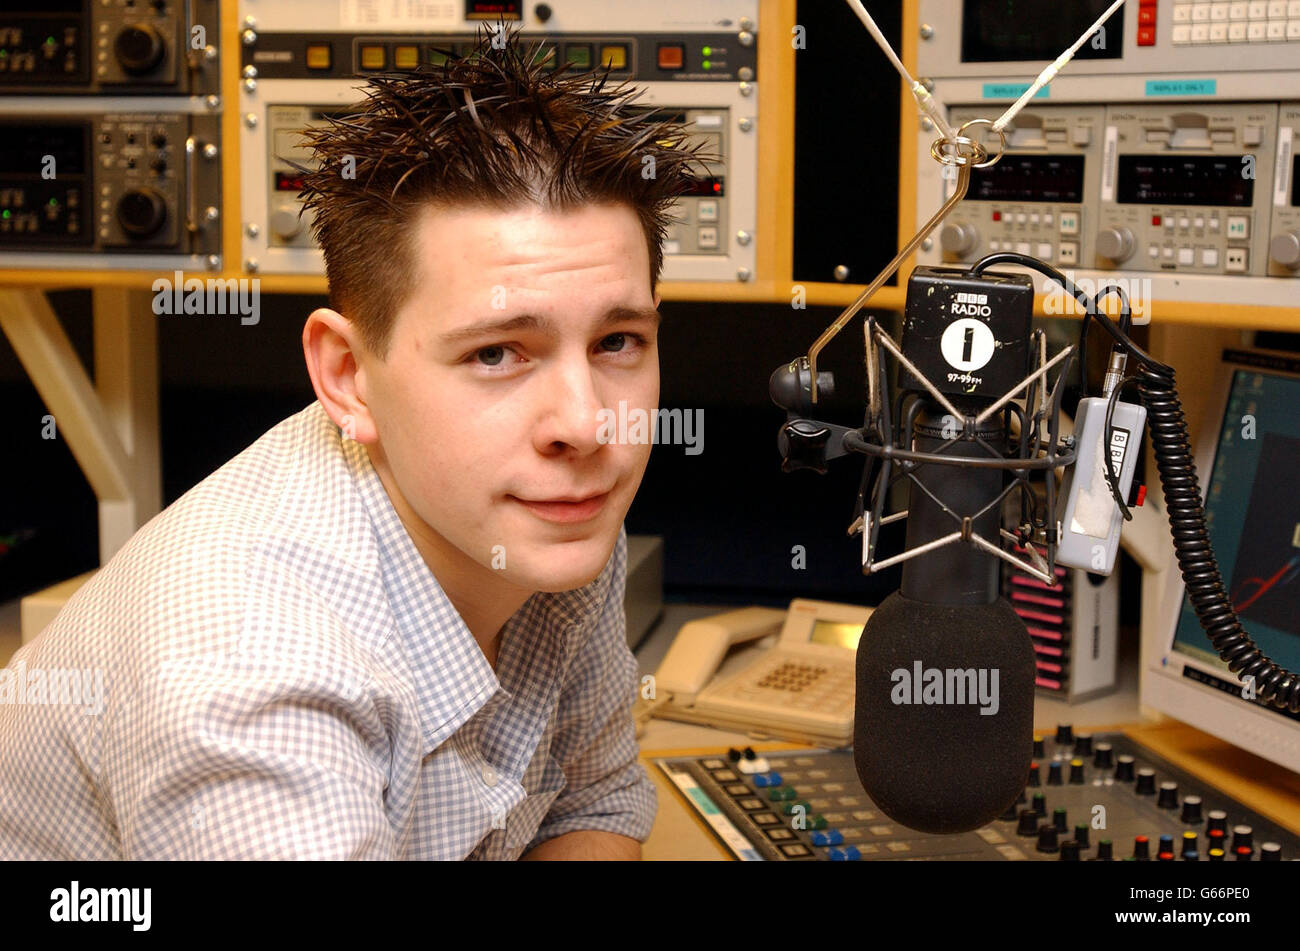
x=1248 y=464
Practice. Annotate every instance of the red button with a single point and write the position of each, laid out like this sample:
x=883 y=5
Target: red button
x=1147 y=16
x=1147 y=3
x=670 y=57
x=997 y=216
x=1155 y=221
x=1142 y=496
x=1146 y=36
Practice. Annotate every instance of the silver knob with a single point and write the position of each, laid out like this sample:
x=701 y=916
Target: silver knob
x=285 y=221
x=959 y=238
x=1285 y=249
x=1115 y=243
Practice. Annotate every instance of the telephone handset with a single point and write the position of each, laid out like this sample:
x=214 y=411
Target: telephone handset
x=801 y=689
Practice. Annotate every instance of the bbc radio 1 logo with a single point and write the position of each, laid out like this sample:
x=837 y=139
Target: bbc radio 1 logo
x=967 y=343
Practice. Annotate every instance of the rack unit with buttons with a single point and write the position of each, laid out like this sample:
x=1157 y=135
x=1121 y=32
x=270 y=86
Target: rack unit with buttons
x=694 y=68
x=1188 y=179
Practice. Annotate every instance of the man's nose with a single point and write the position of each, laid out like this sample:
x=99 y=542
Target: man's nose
x=570 y=415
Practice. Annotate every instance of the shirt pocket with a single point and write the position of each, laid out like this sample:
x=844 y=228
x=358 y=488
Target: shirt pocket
x=527 y=817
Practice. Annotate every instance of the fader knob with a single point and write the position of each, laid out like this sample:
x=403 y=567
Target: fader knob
x=139 y=48
x=1192 y=810
x=1285 y=249
x=1115 y=243
x=959 y=238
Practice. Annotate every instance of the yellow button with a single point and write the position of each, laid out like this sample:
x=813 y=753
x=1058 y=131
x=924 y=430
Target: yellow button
x=318 y=56
x=372 y=57
x=406 y=57
x=615 y=57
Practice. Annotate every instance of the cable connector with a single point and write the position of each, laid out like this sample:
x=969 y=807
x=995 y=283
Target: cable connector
x=1114 y=372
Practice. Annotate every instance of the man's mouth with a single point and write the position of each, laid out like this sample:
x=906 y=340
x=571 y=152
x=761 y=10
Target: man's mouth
x=566 y=508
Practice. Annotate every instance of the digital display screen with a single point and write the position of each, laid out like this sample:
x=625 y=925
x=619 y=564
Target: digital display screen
x=1185 y=180
x=1017 y=31
x=1252 y=514
x=837 y=634
x=710 y=186
x=493 y=9
x=26 y=145
x=288 y=181
x=1029 y=178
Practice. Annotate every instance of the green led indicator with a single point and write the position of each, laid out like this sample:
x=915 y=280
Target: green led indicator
x=54 y=203
x=708 y=51
x=706 y=64
x=49 y=41
x=6 y=214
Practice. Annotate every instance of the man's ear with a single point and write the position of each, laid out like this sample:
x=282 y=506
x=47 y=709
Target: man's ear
x=331 y=345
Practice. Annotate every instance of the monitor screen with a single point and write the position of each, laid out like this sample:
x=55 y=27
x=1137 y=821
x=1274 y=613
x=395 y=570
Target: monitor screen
x=1252 y=513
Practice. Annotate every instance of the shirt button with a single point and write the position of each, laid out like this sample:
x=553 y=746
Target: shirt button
x=490 y=776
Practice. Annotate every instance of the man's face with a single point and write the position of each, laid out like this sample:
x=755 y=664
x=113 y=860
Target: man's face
x=524 y=325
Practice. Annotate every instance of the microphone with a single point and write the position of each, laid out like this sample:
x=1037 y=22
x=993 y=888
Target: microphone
x=943 y=724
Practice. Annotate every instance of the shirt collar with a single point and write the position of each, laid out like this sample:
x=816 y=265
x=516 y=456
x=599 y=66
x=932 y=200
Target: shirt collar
x=452 y=677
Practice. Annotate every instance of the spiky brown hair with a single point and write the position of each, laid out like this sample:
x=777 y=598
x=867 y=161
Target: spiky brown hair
x=493 y=128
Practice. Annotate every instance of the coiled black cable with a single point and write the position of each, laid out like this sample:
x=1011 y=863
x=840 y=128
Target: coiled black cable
x=1172 y=448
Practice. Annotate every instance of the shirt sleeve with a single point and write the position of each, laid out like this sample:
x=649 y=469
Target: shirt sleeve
x=252 y=755
x=606 y=787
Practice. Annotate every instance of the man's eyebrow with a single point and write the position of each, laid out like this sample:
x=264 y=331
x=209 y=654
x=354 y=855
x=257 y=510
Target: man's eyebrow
x=484 y=328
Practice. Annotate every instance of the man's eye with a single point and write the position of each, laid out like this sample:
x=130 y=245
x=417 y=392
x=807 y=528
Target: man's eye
x=491 y=356
x=616 y=343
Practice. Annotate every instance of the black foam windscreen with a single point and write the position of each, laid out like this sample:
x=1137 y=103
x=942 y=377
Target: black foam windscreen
x=937 y=746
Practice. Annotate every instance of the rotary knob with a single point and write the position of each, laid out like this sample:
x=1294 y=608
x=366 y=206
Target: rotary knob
x=1039 y=805
x=139 y=48
x=1242 y=835
x=1028 y=824
x=285 y=221
x=1146 y=781
x=1189 y=842
x=1270 y=852
x=1059 y=820
x=1054 y=774
x=1192 y=810
x=1064 y=734
x=1038 y=746
x=1034 y=778
x=1083 y=744
x=1103 y=756
x=141 y=212
x=1285 y=249
x=1124 y=769
x=1142 y=848
x=1168 y=798
x=1076 y=772
x=1115 y=243
x=1218 y=820
x=1105 y=851
x=1047 y=838
x=1069 y=851
x=1081 y=834
x=959 y=238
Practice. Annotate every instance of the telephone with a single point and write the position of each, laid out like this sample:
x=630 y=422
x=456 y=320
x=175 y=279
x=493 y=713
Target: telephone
x=800 y=689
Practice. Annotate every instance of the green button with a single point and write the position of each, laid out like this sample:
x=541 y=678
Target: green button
x=818 y=822
x=782 y=794
x=790 y=807
x=579 y=56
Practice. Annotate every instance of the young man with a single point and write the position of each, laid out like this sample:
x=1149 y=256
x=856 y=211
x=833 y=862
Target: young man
x=393 y=627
